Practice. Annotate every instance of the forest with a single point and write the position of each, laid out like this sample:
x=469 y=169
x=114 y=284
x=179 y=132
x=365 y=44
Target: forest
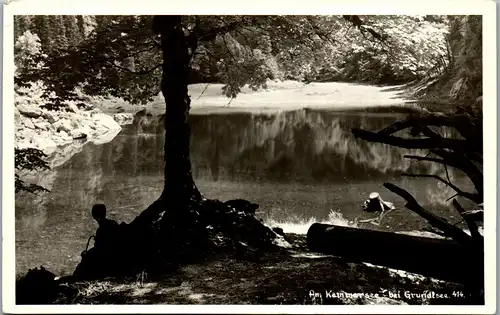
x=434 y=60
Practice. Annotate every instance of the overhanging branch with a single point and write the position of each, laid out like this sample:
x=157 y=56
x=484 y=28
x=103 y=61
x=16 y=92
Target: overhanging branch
x=450 y=230
x=419 y=143
x=471 y=196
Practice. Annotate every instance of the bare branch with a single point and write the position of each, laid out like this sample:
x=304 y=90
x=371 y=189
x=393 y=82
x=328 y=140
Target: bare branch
x=430 y=159
x=449 y=230
x=471 y=196
x=422 y=143
x=474 y=231
x=206 y=87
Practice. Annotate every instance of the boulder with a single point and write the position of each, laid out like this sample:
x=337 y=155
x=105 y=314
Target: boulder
x=106 y=122
x=17 y=114
x=85 y=106
x=71 y=107
x=50 y=117
x=47 y=145
x=28 y=123
x=77 y=122
x=124 y=118
x=27 y=134
x=78 y=134
x=43 y=125
x=29 y=111
x=63 y=125
x=64 y=134
x=106 y=137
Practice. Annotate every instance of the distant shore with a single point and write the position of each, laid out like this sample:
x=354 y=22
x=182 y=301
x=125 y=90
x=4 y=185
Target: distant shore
x=286 y=95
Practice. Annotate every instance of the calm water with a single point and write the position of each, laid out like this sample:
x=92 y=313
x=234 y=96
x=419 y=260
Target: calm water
x=299 y=166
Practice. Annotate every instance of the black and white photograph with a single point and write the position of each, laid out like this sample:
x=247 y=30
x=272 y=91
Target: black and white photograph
x=250 y=159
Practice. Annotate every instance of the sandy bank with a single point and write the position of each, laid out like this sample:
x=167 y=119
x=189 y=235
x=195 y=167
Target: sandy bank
x=287 y=95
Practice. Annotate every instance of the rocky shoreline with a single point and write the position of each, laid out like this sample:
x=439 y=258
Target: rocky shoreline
x=59 y=132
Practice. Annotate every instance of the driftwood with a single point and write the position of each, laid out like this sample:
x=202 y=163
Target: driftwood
x=438 y=258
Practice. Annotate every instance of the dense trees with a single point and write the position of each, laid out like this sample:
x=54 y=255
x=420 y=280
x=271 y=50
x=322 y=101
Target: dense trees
x=318 y=48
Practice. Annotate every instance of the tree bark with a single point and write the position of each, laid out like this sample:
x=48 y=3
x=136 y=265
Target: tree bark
x=179 y=187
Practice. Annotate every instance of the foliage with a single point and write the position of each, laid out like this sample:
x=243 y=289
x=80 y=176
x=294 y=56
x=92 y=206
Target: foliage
x=28 y=57
x=29 y=159
x=28 y=54
x=56 y=32
x=411 y=48
x=120 y=55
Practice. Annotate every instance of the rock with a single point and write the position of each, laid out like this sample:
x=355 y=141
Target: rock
x=63 y=134
x=123 y=118
x=77 y=121
x=106 y=122
x=43 y=125
x=107 y=137
x=51 y=118
x=85 y=105
x=28 y=123
x=71 y=107
x=63 y=125
x=28 y=134
x=17 y=114
x=47 y=145
x=243 y=205
x=94 y=111
x=29 y=111
x=78 y=134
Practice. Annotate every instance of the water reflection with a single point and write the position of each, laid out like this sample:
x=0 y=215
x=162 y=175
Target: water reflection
x=296 y=165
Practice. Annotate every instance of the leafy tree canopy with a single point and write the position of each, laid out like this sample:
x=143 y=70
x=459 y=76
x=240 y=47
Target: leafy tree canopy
x=120 y=55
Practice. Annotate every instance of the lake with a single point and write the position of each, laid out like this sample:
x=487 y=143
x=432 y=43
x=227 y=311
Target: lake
x=300 y=166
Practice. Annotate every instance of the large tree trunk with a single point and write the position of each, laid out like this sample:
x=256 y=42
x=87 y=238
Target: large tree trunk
x=179 y=187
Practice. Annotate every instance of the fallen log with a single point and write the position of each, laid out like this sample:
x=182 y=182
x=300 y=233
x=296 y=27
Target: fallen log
x=438 y=258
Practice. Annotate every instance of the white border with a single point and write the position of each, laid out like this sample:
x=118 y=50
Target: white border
x=480 y=7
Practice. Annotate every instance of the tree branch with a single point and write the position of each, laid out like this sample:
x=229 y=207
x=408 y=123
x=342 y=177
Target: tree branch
x=212 y=34
x=449 y=230
x=474 y=231
x=423 y=143
x=474 y=197
x=430 y=159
